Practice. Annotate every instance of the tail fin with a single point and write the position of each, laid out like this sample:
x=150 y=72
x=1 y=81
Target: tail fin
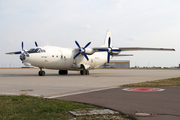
x=108 y=36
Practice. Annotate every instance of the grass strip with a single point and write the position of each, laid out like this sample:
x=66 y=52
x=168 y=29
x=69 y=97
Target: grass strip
x=25 y=107
x=28 y=107
x=156 y=83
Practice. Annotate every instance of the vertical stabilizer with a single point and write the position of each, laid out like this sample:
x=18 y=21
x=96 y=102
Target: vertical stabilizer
x=108 y=39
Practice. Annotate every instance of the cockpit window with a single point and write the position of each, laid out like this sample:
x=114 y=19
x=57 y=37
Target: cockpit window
x=36 y=50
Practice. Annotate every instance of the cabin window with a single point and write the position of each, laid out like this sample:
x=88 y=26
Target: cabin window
x=52 y=55
x=57 y=56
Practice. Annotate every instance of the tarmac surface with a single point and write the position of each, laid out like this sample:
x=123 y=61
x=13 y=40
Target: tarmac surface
x=100 y=88
x=27 y=81
x=162 y=105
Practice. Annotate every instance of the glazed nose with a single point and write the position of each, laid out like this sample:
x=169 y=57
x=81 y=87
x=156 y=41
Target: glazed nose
x=22 y=57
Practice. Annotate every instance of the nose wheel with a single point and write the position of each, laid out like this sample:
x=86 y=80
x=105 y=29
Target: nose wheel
x=41 y=73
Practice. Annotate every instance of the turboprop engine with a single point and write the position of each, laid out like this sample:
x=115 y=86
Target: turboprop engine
x=115 y=52
x=89 y=51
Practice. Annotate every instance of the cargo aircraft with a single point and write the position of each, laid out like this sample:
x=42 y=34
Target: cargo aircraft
x=80 y=59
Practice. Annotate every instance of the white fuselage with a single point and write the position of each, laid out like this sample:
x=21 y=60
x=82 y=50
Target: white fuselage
x=59 y=58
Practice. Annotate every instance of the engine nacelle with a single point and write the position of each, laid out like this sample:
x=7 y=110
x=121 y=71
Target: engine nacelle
x=89 y=51
x=115 y=52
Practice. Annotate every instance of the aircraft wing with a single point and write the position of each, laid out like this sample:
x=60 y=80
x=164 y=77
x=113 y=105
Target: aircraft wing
x=100 y=49
x=123 y=55
x=141 y=48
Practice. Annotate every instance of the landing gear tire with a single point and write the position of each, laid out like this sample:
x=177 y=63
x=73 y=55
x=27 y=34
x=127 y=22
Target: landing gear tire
x=87 y=72
x=84 y=72
x=41 y=73
x=63 y=72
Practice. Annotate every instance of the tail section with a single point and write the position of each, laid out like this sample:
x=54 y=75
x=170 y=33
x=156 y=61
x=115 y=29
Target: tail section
x=108 y=40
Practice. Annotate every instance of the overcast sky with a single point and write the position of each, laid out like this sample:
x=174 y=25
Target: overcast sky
x=133 y=23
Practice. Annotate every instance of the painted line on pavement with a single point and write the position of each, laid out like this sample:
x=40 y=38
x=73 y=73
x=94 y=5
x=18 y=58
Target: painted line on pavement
x=76 y=93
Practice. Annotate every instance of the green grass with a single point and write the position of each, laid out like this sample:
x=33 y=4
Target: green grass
x=156 y=83
x=25 y=107
x=28 y=107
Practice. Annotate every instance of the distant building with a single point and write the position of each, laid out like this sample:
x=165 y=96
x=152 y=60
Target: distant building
x=117 y=64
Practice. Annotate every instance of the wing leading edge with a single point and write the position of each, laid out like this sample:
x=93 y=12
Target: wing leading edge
x=99 y=49
x=141 y=48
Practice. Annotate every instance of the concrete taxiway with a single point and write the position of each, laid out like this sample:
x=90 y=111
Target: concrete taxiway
x=26 y=81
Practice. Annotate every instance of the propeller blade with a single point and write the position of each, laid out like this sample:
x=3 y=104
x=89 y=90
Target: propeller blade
x=87 y=45
x=19 y=52
x=77 y=44
x=22 y=45
x=116 y=50
x=108 y=57
x=109 y=42
x=85 y=56
x=36 y=44
x=76 y=55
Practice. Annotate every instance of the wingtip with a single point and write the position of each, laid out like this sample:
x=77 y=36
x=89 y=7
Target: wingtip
x=173 y=49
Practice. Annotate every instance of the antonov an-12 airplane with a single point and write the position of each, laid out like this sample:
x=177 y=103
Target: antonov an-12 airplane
x=80 y=59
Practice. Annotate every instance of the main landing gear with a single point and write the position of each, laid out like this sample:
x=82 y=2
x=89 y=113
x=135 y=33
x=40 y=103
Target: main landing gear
x=84 y=72
x=41 y=72
x=63 y=72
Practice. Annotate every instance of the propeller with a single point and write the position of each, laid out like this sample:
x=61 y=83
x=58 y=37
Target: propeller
x=23 y=51
x=82 y=50
x=109 y=50
x=18 y=52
